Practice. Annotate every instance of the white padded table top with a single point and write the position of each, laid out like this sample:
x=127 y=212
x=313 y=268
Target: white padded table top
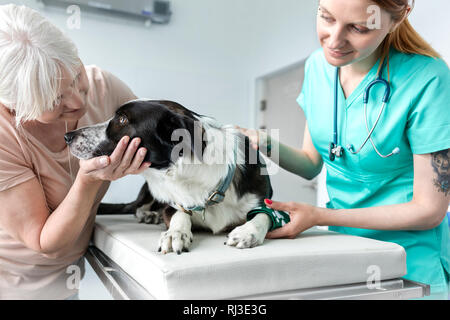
x=212 y=270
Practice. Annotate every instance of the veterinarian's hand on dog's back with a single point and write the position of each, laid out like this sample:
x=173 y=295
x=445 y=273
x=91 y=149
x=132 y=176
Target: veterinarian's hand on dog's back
x=255 y=136
x=126 y=159
x=303 y=216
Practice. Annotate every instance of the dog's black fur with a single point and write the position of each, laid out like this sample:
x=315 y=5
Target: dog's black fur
x=154 y=122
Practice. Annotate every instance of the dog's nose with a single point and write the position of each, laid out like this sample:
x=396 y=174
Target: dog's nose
x=69 y=137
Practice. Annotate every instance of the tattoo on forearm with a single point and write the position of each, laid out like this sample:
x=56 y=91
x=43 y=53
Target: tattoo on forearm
x=441 y=164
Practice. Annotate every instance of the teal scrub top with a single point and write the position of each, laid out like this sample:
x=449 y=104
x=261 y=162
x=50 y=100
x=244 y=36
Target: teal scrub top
x=416 y=119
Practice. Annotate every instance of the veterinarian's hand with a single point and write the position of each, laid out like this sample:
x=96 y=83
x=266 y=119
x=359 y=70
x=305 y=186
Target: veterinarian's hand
x=125 y=159
x=255 y=136
x=303 y=216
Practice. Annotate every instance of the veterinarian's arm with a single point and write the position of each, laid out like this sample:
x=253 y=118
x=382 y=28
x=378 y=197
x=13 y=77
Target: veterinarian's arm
x=305 y=162
x=425 y=211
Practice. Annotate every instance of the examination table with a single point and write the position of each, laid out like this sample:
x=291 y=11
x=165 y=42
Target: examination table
x=318 y=264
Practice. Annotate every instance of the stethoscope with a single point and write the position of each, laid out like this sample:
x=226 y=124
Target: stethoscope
x=337 y=151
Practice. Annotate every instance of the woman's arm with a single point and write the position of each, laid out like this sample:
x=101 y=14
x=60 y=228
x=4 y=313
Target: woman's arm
x=29 y=221
x=425 y=211
x=305 y=162
x=27 y=218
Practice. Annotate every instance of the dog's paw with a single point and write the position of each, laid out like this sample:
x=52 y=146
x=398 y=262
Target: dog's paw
x=148 y=217
x=176 y=241
x=245 y=236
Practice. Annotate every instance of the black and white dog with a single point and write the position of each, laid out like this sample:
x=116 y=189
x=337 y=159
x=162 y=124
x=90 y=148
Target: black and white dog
x=210 y=178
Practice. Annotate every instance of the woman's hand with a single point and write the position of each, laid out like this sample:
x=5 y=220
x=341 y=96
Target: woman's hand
x=256 y=137
x=303 y=216
x=123 y=161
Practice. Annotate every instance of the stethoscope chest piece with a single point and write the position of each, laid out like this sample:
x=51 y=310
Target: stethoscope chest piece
x=335 y=151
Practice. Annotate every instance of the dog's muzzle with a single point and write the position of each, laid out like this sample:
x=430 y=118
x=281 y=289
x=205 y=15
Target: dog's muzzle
x=84 y=143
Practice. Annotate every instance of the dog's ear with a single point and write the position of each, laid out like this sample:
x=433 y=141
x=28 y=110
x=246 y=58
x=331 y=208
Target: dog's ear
x=182 y=133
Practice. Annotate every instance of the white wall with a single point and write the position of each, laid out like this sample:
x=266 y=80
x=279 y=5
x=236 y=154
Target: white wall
x=430 y=19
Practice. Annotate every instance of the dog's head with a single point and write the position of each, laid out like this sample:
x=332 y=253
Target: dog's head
x=153 y=121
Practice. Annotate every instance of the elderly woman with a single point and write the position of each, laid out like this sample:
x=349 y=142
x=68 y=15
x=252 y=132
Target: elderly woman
x=49 y=199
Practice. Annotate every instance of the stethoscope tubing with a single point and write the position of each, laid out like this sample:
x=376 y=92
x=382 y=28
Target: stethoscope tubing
x=369 y=135
x=335 y=132
x=334 y=149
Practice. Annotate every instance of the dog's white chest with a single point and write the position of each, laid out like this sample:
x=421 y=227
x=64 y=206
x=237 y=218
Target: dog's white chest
x=172 y=190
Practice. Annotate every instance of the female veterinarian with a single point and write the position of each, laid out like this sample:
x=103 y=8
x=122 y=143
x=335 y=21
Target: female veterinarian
x=48 y=200
x=396 y=187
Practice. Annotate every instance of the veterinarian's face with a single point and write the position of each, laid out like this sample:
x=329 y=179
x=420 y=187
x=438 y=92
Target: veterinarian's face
x=71 y=102
x=345 y=30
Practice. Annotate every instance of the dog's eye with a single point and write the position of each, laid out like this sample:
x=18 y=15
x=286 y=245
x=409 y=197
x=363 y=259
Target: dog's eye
x=123 y=120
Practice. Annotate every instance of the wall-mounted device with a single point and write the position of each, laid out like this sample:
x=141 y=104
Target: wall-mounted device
x=150 y=11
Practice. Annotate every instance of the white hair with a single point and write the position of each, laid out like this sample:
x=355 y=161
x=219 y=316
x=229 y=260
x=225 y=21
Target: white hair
x=33 y=54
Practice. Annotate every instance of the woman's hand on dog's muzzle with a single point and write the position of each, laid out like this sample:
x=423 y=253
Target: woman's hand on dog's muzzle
x=127 y=158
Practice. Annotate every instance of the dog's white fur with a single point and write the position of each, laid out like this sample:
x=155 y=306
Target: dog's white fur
x=190 y=184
